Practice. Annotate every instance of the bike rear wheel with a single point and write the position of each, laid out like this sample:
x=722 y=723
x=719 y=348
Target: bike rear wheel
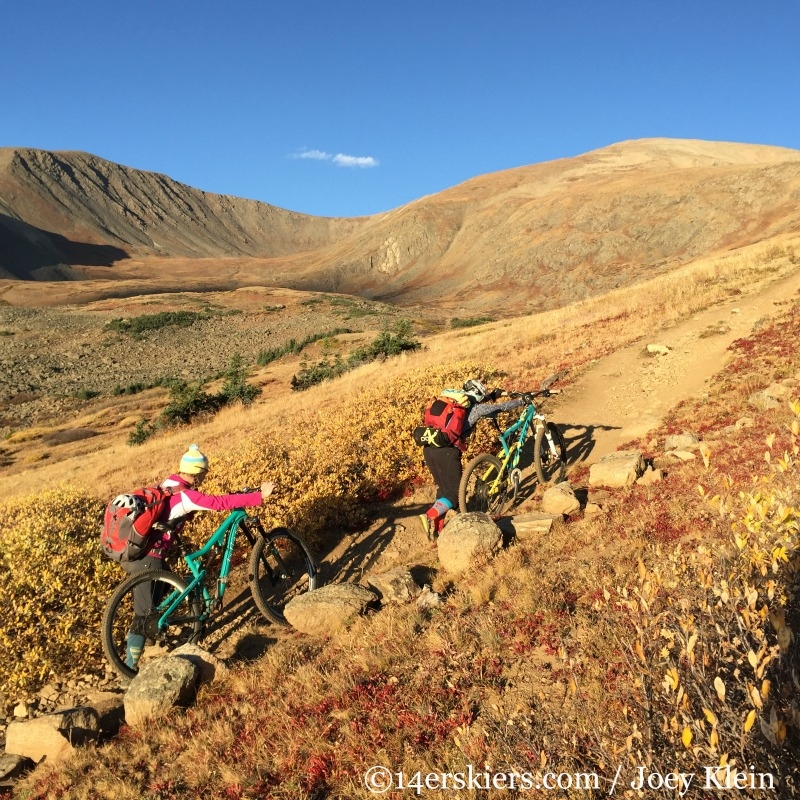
x=483 y=487
x=184 y=623
x=550 y=463
x=281 y=568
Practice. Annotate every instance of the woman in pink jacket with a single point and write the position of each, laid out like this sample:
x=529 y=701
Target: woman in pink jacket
x=184 y=503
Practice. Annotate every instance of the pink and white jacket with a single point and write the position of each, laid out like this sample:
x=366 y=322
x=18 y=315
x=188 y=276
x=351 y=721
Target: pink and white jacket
x=186 y=502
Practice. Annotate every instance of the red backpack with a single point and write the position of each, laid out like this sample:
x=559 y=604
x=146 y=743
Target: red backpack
x=128 y=532
x=446 y=419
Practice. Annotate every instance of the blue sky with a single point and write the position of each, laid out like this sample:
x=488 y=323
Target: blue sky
x=349 y=108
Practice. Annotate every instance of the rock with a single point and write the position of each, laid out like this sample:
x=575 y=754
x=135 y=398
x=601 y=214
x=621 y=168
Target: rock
x=52 y=736
x=396 y=586
x=534 y=523
x=209 y=667
x=21 y=710
x=160 y=685
x=560 y=500
x=681 y=441
x=465 y=538
x=428 y=598
x=657 y=349
x=650 y=477
x=12 y=767
x=49 y=693
x=110 y=709
x=682 y=455
x=778 y=391
x=744 y=422
x=329 y=608
x=617 y=469
x=592 y=509
x=762 y=401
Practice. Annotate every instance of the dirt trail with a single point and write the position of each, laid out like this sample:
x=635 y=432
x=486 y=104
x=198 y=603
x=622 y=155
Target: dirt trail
x=627 y=394
x=621 y=397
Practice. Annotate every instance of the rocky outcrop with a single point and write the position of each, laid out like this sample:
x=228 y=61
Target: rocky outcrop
x=616 y=470
x=160 y=685
x=397 y=586
x=328 y=608
x=465 y=538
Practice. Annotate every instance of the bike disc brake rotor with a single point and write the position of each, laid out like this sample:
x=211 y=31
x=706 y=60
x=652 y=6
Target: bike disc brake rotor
x=150 y=626
x=514 y=480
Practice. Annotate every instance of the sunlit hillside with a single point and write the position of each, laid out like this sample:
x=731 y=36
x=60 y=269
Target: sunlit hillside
x=527 y=239
x=658 y=634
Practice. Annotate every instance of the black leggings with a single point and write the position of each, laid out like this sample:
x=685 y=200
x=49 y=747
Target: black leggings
x=445 y=466
x=143 y=593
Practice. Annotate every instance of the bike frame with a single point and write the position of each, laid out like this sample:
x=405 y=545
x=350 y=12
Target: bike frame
x=225 y=537
x=529 y=419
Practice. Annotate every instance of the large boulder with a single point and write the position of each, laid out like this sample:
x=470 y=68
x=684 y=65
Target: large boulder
x=616 y=470
x=209 y=667
x=52 y=736
x=560 y=500
x=328 y=608
x=160 y=685
x=465 y=538
x=395 y=586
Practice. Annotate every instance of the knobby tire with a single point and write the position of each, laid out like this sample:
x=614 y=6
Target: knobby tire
x=473 y=491
x=550 y=468
x=185 y=623
x=281 y=568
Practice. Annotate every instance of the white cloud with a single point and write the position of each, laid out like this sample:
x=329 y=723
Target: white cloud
x=355 y=161
x=317 y=155
x=340 y=159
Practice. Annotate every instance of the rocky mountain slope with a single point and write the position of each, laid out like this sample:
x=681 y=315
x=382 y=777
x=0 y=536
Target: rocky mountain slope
x=70 y=209
x=516 y=241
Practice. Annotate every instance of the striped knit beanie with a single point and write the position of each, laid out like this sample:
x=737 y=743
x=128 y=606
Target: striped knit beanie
x=193 y=461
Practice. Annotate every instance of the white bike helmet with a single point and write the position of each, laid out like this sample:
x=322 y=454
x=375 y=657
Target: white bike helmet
x=129 y=501
x=476 y=390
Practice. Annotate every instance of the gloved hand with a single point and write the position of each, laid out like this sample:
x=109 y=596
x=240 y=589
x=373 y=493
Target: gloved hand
x=496 y=394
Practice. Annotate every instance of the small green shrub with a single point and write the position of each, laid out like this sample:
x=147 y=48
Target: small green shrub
x=469 y=322
x=312 y=374
x=236 y=386
x=385 y=344
x=187 y=400
x=293 y=346
x=86 y=394
x=153 y=322
x=141 y=433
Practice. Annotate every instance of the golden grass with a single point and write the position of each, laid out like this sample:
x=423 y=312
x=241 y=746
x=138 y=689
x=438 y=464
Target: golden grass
x=525 y=349
x=603 y=644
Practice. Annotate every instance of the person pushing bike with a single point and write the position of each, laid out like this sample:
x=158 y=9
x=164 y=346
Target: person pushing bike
x=183 y=503
x=449 y=420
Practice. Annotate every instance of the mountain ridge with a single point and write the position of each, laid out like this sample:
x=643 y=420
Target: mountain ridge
x=520 y=240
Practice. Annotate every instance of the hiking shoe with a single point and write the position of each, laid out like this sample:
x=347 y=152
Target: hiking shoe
x=427 y=526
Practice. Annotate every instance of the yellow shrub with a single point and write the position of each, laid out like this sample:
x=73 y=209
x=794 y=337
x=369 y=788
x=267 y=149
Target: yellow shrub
x=327 y=465
x=55 y=584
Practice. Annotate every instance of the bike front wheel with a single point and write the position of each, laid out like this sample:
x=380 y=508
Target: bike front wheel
x=483 y=487
x=120 y=621
x=550 y=454
x=281 y=568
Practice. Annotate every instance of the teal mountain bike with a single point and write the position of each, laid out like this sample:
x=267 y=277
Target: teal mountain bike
x=280 y=568
x=490 y=484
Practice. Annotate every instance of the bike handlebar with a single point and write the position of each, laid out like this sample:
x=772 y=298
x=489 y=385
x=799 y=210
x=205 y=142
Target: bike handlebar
x=528 y=396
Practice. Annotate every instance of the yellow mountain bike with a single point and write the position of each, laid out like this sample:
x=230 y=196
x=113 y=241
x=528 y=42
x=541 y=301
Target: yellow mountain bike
x=490 y=484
